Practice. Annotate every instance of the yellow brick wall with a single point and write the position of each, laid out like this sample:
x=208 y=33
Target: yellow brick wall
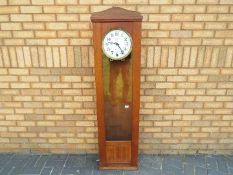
x=47 y=86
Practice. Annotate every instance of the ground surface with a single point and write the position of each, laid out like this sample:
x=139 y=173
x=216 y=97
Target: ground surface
x=60 y=164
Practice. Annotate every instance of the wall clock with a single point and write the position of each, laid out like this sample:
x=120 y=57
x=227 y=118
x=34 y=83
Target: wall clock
x=117 y=51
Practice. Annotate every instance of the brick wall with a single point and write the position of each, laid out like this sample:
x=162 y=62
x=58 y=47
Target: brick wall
x=47 y=89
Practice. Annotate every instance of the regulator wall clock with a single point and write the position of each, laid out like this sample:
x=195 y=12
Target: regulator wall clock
x=117 y=43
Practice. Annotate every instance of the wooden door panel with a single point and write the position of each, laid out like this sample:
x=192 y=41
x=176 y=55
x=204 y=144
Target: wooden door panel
x=118 y=151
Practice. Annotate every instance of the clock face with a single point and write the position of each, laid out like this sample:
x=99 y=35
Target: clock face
x=117 y=44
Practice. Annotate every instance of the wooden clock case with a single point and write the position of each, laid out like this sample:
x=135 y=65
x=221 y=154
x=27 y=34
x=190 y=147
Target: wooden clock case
x=117 y=110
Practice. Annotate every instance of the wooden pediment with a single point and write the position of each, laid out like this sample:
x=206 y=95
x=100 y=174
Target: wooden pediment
x=116 y=14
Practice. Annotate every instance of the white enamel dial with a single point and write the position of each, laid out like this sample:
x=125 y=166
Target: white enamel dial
x=117 y=44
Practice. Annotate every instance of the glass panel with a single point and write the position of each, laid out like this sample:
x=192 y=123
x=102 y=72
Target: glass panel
x=117 y=98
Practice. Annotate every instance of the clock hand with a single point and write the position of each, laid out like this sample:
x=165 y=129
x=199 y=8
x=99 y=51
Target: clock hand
x=117 y=44
x=111 y=42
x=119 y=47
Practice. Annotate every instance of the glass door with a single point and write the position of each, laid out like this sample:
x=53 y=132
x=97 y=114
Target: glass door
x=117 y=98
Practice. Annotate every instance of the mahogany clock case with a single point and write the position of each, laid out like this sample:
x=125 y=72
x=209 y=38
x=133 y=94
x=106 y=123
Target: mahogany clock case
x=117 y=91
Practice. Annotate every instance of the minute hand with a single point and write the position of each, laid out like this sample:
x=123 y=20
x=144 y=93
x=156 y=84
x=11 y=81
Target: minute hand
x=119 y=47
